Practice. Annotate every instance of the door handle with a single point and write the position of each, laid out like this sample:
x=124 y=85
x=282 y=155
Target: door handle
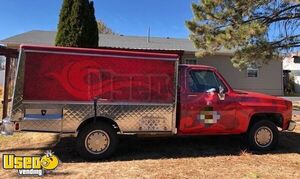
x=192 y=95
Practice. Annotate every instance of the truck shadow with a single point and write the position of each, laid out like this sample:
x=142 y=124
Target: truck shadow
x=133 y=148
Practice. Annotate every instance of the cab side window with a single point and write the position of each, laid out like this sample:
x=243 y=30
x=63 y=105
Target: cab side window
x=201 y=81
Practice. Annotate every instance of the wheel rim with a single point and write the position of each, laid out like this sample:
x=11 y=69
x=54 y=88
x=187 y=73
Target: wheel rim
x=263 y=136
x=97 y=141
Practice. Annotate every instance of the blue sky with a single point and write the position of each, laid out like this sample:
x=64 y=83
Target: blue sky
x=133 y=17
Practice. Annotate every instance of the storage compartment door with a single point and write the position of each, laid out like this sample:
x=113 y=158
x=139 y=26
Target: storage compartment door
x=47 y=120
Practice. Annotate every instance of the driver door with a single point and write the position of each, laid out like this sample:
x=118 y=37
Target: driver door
x=204 y=109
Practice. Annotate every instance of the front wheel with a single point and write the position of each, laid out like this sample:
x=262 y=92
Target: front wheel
x=263 y=136
x=97 y=141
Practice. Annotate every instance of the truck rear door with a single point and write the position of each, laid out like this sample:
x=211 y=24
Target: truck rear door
x=203 y=111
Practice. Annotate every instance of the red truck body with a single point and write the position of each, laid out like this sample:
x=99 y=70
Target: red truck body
x=97 y=92
x=117 y=76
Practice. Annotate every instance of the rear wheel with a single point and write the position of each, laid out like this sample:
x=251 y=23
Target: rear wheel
x=97 y=141
x=263 y=136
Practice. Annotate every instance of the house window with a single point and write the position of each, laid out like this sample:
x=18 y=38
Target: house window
x=252 y=72
x=191 y=61
x=296 y=59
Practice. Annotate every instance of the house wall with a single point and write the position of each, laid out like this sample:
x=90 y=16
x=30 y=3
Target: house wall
x=294 y=68
x=269 y=80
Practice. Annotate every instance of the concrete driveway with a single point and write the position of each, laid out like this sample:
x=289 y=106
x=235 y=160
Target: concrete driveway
x=293 y=98
x=296 y=112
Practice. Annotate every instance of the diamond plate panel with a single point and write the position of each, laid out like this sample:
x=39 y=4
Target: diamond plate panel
x=17 y=106
x=74 y=114
x=41 y=125
x=130 y=118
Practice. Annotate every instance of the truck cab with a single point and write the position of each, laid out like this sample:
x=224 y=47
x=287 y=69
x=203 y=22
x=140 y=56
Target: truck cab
x=209 y=106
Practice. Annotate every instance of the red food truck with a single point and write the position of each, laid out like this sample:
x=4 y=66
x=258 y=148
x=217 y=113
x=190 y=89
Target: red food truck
x=96 y=95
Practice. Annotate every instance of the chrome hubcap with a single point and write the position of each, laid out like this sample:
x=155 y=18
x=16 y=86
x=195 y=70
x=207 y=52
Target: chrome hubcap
x=263 y=136
x=97 y=142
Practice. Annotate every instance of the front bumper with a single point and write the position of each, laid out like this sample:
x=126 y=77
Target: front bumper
x=292 y=126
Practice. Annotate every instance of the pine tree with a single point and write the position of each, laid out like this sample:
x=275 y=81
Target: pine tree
x=77 y=25
x=103 y=29
x=93 y=27
x=257 y=30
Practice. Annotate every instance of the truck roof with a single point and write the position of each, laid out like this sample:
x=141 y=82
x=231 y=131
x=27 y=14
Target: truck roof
x=90 y=51
x=198 y=66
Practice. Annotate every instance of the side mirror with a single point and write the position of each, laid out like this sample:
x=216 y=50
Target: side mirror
x=221 y=89
x=221 y=93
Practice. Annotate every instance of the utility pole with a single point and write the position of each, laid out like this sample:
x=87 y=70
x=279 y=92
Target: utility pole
x=148 y=39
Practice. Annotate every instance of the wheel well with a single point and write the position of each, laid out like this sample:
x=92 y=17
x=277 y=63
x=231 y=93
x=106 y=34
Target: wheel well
x=102 y=119
x=273 y=117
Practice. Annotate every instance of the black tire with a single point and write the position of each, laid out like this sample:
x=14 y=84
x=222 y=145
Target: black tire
x=100 y=129
x=263 y=128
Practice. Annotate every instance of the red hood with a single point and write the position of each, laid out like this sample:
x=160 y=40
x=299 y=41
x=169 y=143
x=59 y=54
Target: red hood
x=259 y=95
x=262 y=103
